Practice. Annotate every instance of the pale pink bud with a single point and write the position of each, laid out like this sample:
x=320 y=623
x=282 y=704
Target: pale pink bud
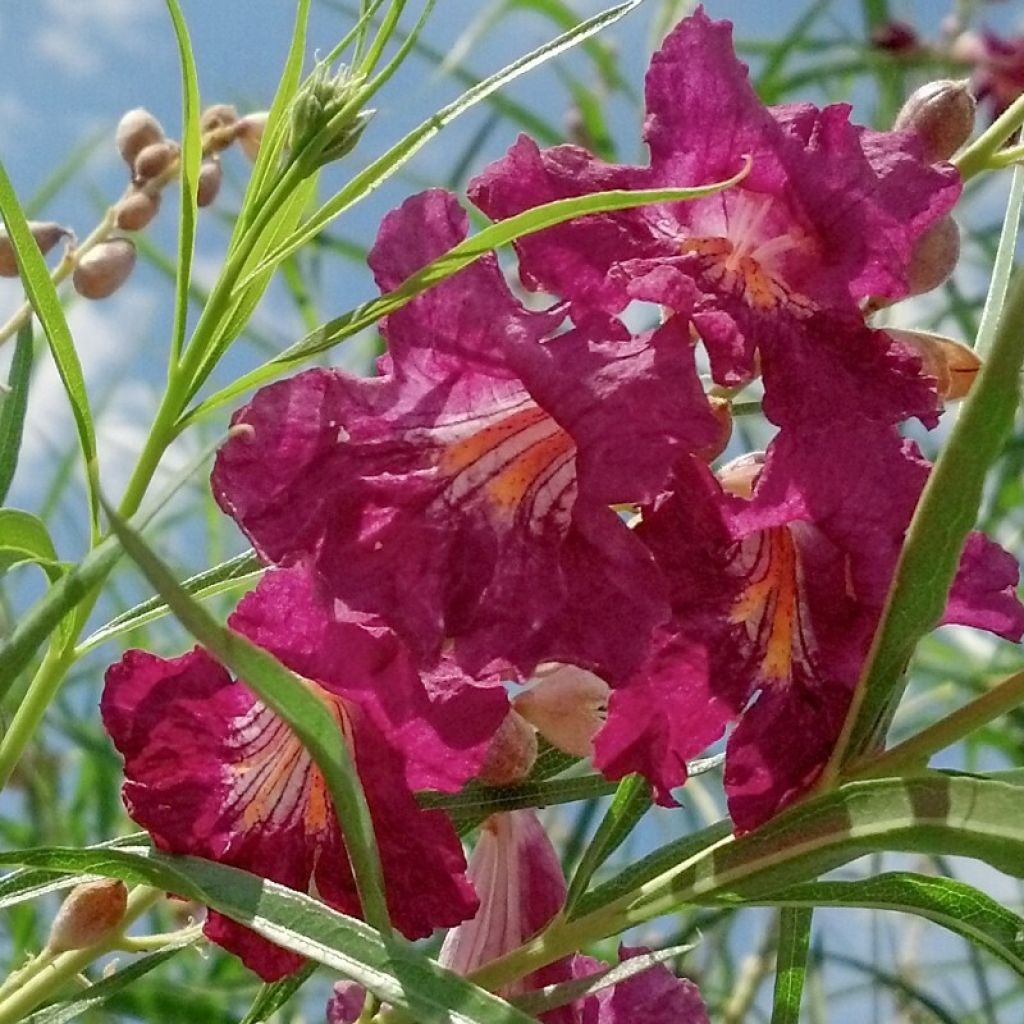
x=511 y=754
x=135 y=131
x=220 y=115
x=517 y=875
x=90 y=912
x=210 y=176
x=740 y=476
x=568 y=706
x=934 y=256
x=104 y=268
x=953 y=365
x=154 y=161
x=46 y=233
x=249 y=132
x=137 y=209
x=942 y=115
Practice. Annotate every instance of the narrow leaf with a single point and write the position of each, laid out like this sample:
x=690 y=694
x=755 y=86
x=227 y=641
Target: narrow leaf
x=24 y=538
x=791 y=965
x=273 y=995
x=13 y=407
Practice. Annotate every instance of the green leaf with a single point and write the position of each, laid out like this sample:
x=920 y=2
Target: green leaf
x=42 y=294
x=954 y=905
x=945 y=515
x=388 y=164
x=791 y=963
x=24 y=538
x=393 y=970
x=97 y=995
x=526 y=223
x=552 y=996
x=294 y=699
x=191 y=156
x=234 y=573
x=13 y=406
x=273 y=995
x=631 y=803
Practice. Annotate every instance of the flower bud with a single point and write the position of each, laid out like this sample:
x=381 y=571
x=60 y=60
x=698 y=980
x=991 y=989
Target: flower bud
x=135 y=131
x=934 y=257
x=104 y=268
x=249 y=132
x=739 y=477
x=210 y=176
x=894 y=37
x=46 y=233
x=91 y=911
x=154 y=160
x=511 y=753
x=721 y=410
x=220 y=115
x=318 y=104
x=953 y=365
x=942 y=115
x=137 y=209
x=568 y=706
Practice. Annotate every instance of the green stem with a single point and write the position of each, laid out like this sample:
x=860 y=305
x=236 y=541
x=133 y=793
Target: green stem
x=52 y=975
x=915 y=753
x=977 y=157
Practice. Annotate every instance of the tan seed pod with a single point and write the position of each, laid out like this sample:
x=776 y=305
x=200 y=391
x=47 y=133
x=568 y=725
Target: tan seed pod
x=210 y=176
x=137 y=209
x=568 y=706
x=46 y=233
x=511 y=754
x=135 y=131
x=154 y=160
x=249 y=132
x=220 y=115
x=953 y=365
x=934 y=256
x=91 y=911
x=104 y=268
x=942 y=115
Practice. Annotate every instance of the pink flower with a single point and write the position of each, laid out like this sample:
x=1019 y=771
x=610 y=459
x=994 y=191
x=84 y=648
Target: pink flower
x=998 y=67
x=211 y=771
x=464 y=494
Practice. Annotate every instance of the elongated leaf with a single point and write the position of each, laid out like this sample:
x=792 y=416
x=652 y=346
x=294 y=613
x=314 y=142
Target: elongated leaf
x=191 y=155
x=388 y=164
x=13 y=407
x=393 y=970
x=954 y=905
x=631 y=803
x=504 y=232
x=945 y=515
x=292 y=698
x=42 y=294
x=274 y=995
x=96 y=996
x=235 y=572
x=24 y=538
x=551 y=996
x=791 y=965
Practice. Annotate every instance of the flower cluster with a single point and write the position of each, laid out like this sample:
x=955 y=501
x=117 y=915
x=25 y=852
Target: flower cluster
x=520 y=487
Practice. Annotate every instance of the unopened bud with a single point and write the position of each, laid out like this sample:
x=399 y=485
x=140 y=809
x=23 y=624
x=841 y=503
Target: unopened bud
x=46 y=233
x=104 y=268
x=934 y=257
x=323 y=101
x=942 y=115
x=894 y=37
x=210 y=176
x=953 y=365
x=249 y=132
x=739 y=477
x=220 y=115
x=154 y=160
x=135 y=131
x=137 y=209
x=721 y=410
x=511 y=754
x=568 y=706
x=91 y=911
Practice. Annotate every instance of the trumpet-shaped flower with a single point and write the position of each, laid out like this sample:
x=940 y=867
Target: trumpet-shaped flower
x=464 y=494
x=776 y=599
x=212 y=771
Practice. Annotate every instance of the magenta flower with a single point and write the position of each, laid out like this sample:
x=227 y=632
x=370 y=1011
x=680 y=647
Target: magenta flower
x=776 y=599
x=828 y=216
x=465 y=493
x=211 y=771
